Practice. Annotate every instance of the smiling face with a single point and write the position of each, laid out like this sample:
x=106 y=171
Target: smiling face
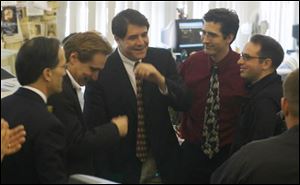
x=83 y=72
x=251 y=66
x=214 y=42
x=135 y=43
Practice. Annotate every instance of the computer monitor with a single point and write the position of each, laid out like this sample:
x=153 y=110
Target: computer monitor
x=188 y=34
x=295 y=33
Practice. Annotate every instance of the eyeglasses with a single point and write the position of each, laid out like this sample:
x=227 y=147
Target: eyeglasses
x=247 y=57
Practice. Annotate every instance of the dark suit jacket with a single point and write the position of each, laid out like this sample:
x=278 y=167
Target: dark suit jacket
x=258 y=118
x=270 y=161
x=115 y=91
x=82 y=142
x=41 y=158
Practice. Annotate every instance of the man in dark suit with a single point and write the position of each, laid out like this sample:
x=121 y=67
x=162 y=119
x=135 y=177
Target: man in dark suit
x=258 y=120
x=40 y=67
x=142 y=91
x=86 y=55
x=270 y=161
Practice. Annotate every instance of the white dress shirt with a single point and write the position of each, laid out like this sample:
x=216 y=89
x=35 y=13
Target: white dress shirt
x=79 y=90
x=37 y=91
x=129 y=66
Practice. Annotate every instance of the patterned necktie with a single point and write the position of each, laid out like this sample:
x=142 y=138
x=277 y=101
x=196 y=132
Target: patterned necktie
x=141 y=144
x=210 y=144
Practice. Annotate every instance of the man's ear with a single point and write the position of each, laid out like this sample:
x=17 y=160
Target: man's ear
x=229 y=38
x=117 y=39
x=267 y=64
x=47 y=74
x=73 y=58
x=284 y=106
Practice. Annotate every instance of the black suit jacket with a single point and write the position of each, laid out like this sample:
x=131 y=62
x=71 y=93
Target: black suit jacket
x=258 y=118
x=41 y=158
x=82 y=142
x=270 y=161
x=114 y=90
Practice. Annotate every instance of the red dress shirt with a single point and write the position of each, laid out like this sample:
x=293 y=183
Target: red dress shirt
x=196 y=72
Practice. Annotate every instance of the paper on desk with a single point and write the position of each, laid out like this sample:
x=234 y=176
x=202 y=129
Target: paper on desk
x=9 y=86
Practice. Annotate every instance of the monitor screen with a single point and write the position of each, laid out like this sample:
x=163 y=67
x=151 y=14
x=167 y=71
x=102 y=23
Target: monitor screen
x=296 y=31
x=188 y=34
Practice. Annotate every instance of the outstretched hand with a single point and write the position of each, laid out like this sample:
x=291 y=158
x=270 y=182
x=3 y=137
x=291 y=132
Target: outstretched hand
x=11 y=139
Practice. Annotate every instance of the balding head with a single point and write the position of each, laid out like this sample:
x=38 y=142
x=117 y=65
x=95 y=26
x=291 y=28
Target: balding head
x=291 y=92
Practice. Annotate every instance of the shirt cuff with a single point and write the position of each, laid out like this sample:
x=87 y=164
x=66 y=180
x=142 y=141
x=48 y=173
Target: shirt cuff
x=165 y=91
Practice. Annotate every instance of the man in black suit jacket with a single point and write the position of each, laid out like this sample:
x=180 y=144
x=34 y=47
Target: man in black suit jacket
x=40 y=67
x=162 y=87
x=258 y=120
x=270 y=161
x=86 y=56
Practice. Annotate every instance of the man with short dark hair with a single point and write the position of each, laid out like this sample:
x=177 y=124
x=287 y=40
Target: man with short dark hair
x=40 y=67
x=140 y=82
x=258 y=118
x=269 y=161
x=86 y=55
x=213 y=77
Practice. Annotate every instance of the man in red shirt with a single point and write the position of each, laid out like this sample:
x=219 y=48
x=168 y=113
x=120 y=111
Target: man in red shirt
x=213 y=76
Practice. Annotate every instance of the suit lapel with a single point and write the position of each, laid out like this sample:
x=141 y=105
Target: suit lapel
x=72 y=94
x=147 y=86
x=125 y=85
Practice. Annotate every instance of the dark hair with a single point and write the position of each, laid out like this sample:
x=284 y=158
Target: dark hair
x=228 y=19
x=291 y=92
x=34 y=56
x=270 y=48
x=120 y=22
x=86 y=44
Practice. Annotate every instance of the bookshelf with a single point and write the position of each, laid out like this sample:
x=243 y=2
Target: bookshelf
x=23 y=20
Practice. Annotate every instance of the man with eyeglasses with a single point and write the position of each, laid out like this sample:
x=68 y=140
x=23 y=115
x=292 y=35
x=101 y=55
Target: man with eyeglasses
x=213 y=77
x=258 y=118
x=269 y=161
x=40 y=68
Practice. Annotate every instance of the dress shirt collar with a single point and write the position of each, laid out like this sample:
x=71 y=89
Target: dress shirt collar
x=73 y=81
x=262 y=83
x=37 y=91
x=126 y=60
x=224 y=62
